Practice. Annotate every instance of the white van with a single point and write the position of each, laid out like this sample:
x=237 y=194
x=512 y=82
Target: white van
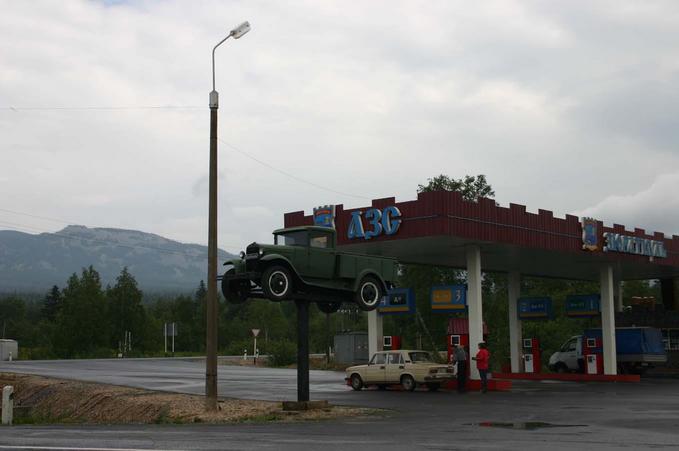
x=569 y=357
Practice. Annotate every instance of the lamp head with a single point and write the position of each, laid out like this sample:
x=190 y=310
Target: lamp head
x=240 y=30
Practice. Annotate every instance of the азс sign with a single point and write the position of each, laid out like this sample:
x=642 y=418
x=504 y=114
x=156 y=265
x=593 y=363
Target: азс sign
x=379 y=222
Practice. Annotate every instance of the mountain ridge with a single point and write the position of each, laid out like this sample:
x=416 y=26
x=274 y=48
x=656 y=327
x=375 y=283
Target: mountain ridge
x=36 y=262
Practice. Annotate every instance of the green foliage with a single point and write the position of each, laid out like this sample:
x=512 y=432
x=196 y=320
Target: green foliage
x=282 y=353
x=126 y=313
x=471 y=187
x=51 y=304
x=82 y=325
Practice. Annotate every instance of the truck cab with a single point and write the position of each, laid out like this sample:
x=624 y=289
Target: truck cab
x=304 y=264
x=568 y=357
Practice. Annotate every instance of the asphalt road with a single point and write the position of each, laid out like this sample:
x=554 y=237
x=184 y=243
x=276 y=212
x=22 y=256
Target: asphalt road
x=564 y=415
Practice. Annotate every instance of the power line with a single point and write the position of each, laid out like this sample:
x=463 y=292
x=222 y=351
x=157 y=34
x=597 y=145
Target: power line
x=100 y=108
x=178 y=107
x=28 y=229
x=61 y=221
x=287 y=174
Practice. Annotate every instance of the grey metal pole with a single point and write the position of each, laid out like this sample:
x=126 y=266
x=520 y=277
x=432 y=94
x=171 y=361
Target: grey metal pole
x=211 y=308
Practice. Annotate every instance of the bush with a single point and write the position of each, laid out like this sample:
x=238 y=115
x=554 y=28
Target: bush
x=282 y=353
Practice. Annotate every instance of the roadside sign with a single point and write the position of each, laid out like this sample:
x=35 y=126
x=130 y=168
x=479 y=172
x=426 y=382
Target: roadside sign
x=255 y=332
x=398 y=301
x=170 y=329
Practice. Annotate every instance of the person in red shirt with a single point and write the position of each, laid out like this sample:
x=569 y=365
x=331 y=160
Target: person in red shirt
x=482 y=358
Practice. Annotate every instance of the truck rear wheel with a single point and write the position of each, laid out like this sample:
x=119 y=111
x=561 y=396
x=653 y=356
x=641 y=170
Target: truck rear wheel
x=328 y=307
x=277 y=283
x=369 y=293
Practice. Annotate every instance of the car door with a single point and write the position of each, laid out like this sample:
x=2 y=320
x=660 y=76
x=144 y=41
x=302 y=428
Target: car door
x=375 y=373
x=322 y=255
x=570 y=353
x=395 y=367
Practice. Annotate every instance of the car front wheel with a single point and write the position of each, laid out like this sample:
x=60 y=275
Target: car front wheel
x=408 y=383
x=369 y=293
x=277 y=283
x=356 y=382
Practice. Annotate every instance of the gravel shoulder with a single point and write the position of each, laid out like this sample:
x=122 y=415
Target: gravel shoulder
x=44 y=400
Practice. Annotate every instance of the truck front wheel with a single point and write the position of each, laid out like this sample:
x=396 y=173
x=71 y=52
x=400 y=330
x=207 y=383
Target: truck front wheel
x=369 y=293
x=235 y=291
x=277 y=283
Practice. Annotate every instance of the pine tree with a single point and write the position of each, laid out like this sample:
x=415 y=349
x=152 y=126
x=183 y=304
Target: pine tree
x=126 y=312
x=82 y=324
x=51 y=304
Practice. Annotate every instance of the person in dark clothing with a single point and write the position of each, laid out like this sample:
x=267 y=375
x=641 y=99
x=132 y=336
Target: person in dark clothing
x=460 y=357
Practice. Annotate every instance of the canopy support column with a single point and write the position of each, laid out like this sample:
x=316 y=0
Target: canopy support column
x=474 y=304
x=515 y=324
x=608 y=321
x=375 y=332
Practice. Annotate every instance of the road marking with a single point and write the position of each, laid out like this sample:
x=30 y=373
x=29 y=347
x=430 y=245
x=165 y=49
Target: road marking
x=70 y=448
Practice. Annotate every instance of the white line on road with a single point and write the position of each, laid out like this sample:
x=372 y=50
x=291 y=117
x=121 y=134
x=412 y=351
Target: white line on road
x=69 y=448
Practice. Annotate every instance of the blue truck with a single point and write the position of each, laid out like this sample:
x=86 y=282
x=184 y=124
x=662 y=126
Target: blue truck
x=637 y=348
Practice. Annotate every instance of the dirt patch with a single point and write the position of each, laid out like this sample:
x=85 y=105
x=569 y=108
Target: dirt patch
x=48 y=400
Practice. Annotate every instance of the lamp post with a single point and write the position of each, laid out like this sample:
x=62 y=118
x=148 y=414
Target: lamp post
x=211 y=344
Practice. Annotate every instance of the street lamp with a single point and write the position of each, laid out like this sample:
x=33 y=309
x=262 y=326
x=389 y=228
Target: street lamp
x=211 y=345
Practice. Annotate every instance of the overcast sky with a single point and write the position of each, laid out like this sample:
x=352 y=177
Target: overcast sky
x=569 y=106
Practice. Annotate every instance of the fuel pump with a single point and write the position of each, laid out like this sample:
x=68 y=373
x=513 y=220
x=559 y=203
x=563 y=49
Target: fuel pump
x=591 y=352
x=531 y=355
x=454 y=340
x=391 y=342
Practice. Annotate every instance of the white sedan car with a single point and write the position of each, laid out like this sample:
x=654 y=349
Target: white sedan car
x=406 y=367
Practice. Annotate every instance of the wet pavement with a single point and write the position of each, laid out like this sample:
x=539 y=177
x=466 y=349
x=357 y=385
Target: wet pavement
x=534 y=415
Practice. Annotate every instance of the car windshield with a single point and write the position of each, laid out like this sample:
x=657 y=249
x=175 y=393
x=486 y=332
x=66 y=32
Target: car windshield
x=420 y=357
x=298 y=238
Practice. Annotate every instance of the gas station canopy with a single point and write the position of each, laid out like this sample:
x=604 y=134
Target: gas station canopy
x=436 y=229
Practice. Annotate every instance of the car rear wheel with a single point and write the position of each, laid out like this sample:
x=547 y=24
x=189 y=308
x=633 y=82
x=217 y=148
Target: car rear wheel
x=369 y=293
x=235 y=291
x=356 y=382
x=408 y=383
x=277 y=283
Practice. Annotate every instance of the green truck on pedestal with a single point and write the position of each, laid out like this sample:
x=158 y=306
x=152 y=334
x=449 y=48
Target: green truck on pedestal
x=304 y=263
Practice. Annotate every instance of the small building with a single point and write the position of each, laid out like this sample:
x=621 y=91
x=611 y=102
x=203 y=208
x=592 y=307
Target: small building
x=8 y=348
x=351 y=348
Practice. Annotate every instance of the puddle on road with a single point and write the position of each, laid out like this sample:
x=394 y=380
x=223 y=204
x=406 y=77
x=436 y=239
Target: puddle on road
x=527 y=425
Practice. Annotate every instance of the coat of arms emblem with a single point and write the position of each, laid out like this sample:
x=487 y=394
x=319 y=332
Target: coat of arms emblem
x=590 y=236
x=325 y=216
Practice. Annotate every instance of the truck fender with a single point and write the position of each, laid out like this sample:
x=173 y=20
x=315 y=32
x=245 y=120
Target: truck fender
x=369 y=272
x=271 y=258
x=236 y=263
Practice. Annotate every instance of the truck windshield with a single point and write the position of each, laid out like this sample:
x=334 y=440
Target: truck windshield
x=298 y=238
x=420 y=357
